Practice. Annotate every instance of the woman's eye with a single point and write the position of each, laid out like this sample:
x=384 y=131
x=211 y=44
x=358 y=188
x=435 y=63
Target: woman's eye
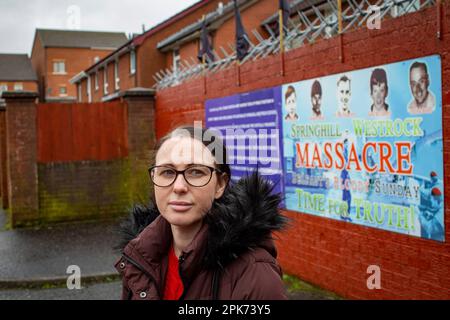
x=167 y=173
x=196 y=172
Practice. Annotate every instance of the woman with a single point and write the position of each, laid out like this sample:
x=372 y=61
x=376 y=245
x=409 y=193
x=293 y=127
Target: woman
x=201 y=238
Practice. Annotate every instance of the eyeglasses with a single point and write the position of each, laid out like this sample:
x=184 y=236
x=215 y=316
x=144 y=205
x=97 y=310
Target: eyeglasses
x=196 y=176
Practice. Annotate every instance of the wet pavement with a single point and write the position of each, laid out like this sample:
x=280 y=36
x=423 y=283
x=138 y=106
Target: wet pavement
x=46 y=254
x=100 y=291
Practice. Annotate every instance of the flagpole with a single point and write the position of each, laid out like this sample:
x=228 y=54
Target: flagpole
x=281 y=23
x=238 y=63
x=439 y=20
x=204 y=74
x=204 y=64
x=341 y=51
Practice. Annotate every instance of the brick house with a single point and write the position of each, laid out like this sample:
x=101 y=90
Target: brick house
x=134 y=63
x=58 y=55
x=184 y=44
x=16 y=73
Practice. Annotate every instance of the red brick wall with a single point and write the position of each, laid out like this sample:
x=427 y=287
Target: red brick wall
x=75 y=161
x=150 y=60
x=127 y=80
x=330 y=253
x=251 y=19
x=39 y=65
x=3 y=173
x=21 y=157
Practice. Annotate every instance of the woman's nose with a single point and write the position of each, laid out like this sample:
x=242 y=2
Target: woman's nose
x=180 y=184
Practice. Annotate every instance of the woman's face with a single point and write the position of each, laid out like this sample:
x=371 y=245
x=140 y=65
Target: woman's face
x=379 y=95
x=291 y=104
x=182 y=204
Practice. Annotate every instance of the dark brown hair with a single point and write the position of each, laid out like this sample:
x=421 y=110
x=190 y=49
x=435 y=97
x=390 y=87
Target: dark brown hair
x=290 y=90
x=316 y=89
x=194 y=133
x=378 y=77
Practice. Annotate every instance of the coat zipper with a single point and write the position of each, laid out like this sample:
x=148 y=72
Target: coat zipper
x=140 y=267
x=183 y=279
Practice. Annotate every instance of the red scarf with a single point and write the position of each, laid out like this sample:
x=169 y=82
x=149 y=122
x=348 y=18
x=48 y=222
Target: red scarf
x=174 y=286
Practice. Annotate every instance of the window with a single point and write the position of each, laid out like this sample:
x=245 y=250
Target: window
x=88 y=89
x=62 y=91
x=18 y=86
x=3 y=87
x=176 y=62
x=116 y=75
x=105 y=80
x=133 y=62
x=96 y=81
x=59 y=67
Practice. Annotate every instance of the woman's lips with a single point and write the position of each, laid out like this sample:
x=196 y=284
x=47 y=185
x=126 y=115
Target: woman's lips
x=180 y=206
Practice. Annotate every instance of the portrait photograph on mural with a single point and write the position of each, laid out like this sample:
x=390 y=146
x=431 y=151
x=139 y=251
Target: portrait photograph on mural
x=366 y=147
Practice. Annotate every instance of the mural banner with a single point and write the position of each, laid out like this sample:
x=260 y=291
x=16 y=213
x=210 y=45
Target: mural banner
x=366 y=147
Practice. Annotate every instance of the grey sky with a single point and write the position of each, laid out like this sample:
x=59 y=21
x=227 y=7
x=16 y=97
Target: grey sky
x=20 y=18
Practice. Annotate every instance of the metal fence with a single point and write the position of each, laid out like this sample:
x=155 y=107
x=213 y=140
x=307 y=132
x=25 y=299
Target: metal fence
x=304 y=26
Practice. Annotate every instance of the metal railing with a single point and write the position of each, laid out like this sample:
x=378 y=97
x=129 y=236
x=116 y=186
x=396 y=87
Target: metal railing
x=305 y=26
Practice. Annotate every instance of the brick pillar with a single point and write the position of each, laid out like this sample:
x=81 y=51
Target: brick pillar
x=21 y=157
x=140 y=103
x=3 y=176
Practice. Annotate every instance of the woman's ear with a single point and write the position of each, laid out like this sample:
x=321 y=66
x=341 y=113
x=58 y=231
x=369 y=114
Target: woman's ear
x=222 y=183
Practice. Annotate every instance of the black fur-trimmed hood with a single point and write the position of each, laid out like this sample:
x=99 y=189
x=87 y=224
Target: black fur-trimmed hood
x=244 y=218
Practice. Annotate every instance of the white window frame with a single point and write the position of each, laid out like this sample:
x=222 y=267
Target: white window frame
x=18 y=86
x=176 y=60
x=96 y=80
x=79 y=91
x=132 y=62
x=3 y=87
x=105 y=80
x=88 y=91
x=116 y=76
x=56 y=66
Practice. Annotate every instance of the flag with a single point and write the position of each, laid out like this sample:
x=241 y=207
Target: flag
x=205 y=45
x=286 y=12
x=242 y=44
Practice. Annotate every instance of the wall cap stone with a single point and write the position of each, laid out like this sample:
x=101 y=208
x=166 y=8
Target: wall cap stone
x=138 y=93
x=19 y=95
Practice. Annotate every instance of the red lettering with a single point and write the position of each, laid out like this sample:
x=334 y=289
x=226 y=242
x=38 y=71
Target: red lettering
x=404 y=157
x=385 y=157
x=302 y=156
x=364 y=157
x=339 y=150
x=316 y=157
x=327 y=148
x=353 y=158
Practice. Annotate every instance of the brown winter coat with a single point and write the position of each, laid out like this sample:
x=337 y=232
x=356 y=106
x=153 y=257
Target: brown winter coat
x=232 y=257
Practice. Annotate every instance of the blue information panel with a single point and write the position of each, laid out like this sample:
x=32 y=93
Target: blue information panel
x=250 y=124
